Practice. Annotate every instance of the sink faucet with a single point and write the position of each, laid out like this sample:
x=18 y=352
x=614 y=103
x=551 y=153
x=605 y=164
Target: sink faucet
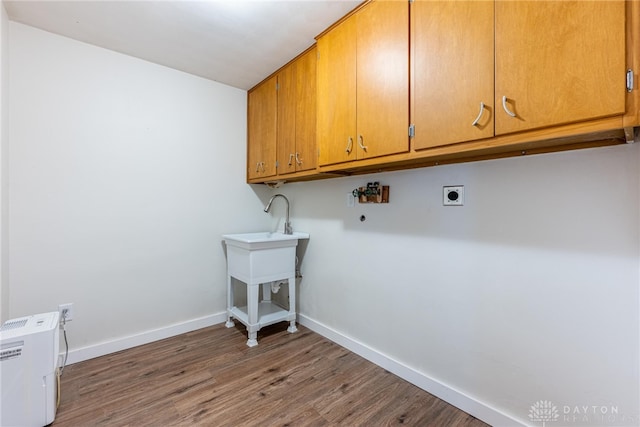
x=287 y=224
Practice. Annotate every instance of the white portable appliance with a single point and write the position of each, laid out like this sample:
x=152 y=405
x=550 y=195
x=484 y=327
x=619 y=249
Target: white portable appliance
x=29 y=349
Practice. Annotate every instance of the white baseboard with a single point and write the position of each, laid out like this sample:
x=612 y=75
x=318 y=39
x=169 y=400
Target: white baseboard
x=107 y=347
x=458 y=399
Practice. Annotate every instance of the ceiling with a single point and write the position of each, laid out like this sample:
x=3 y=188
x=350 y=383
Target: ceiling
x=235 y=42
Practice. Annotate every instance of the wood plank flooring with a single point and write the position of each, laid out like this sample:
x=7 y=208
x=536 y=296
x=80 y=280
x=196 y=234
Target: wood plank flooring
x=210 y=377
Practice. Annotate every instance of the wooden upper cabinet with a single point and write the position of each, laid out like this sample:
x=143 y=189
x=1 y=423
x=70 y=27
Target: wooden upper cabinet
x=336 y=125
x=558 y=62
x=382 y=78
x=363 y=84
x=282 y=121
x=261 y=138
x=297 y=115
x=488 y=78
x=453 y=68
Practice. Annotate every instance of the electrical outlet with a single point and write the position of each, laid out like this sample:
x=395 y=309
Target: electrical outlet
x=69 y=308
x=351 y=200
x=453 y=195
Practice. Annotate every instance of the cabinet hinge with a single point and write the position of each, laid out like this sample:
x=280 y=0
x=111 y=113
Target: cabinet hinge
x=629 y=80
x=412 y=131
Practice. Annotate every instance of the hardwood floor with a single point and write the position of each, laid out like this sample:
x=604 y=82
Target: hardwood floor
x=210 y=377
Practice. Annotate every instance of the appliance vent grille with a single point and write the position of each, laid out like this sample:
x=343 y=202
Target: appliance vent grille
x=13 y=324
x=10 y=353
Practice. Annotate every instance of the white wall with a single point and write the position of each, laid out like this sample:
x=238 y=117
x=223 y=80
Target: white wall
x=4 y=170
x=123 y=176
x=528 y=292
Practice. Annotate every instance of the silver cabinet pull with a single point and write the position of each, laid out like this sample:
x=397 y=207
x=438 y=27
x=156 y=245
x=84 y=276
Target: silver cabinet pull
x=475 y=122
x=506 y=109
x=298 y=161
x=349 y=145
x=258 y=167
x=361 y=143
x=291 y=158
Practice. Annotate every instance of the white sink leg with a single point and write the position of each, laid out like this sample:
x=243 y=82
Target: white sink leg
x=292 y=304
x=230 y=302
x=252 y=341
x=266 y=292
x=253 y=291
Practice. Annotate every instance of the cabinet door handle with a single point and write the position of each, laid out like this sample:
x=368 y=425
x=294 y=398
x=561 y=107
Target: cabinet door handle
x=361 y=143
x=298 y=161
x=506 y=109
x=258 y=167
x=291 y=158
x=349 y=145
x=475 y=122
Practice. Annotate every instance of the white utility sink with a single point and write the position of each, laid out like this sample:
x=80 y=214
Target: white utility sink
x=262 y=258
x=264 y=239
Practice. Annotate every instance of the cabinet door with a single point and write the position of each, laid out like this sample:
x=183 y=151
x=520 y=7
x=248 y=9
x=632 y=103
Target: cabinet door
x=286 y=123
x=337 y=94
x=452 y=47
x=296 y=136
x=261 y=140
x=306 y=150
x=383 y=78
x=558 y=62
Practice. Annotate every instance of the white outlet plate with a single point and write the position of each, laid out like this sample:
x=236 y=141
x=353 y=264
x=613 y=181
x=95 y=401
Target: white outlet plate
x=351 y=201
x=68 y=307
x=453 y=195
